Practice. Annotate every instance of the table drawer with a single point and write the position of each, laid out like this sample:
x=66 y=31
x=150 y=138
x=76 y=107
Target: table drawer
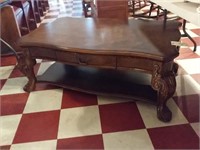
x=67 y=57
x=87 y=59
x=135 y=62
x=42 y=53
x=97 y=60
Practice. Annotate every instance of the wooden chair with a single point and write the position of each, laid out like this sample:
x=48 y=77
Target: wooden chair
x=10 y=31
x=28 y=11
x=86 y=7
x=19 y=55
x=35 y=4
x=135 y=5
x=21 y=20
x=161 y=13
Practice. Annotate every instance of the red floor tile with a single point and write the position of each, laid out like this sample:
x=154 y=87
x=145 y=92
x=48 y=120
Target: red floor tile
x=37 y=127
x=16 y=73
x=189 y=43
x=196 y=31
x=2 y=82
x=85 y=142
x=77 y=99
x=44 y=86
x=42 y=126
x=8 y=61
x=189 y=105
x=184 y=50
x=174 y=137
x=120 y=117
x=6 y=147
x=13 y=104
x=187 y=53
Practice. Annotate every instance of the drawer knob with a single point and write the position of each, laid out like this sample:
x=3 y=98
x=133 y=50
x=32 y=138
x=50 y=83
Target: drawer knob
x=82 y=60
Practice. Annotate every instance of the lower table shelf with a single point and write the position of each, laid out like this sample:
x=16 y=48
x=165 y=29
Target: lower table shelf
x=125 y=84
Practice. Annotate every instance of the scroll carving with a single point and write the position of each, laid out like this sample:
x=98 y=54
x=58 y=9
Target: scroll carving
x=165 y=86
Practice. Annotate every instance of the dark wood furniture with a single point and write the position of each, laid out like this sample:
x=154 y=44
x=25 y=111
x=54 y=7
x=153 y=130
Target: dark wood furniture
x=110 y=9
x=86 y=4
x=10 y=31
x=21 y=20
x=36 y=10
x=28 y=12
x=130 y=58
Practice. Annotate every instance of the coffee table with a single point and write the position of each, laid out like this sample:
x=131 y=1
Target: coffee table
x=131 y=59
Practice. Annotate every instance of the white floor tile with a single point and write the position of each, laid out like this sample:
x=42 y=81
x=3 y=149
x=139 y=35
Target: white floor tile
x=48 y=20
x=64 y=15
x=42 y=145
x=5 y=71
x=80 y=121
x=8 y=128
x=192 y=34
x=54 y=7
x=52 y=13
x=69 y=6
x=44 y=66
x=14 y=86
x=149 y=115
x=44 y=100
x=191 y=26
x=197 y=50
x=186 y=85
x=38 y=60
x=191 y=66
x=128 y=140
x=196 y=127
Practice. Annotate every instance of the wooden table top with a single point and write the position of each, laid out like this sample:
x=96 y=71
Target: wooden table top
x=107 y=36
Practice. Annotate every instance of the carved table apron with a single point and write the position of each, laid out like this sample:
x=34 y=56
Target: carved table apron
x=93 y=52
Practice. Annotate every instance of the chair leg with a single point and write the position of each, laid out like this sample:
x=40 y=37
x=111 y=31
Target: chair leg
x=165 y=19
x=158 y=12
x=187 y=35
x=151 y=9
x=133 y=7
x=84 y=8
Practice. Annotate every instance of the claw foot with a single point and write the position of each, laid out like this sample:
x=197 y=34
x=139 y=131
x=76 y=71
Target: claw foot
x=30 y=86
x=164 y=114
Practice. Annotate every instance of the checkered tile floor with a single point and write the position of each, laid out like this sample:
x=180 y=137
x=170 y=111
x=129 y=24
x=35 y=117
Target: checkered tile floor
x=56 y=118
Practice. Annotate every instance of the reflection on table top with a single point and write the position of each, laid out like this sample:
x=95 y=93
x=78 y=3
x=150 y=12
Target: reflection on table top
x=106 y=36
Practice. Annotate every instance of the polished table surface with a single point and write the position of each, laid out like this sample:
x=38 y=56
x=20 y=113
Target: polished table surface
x=106 y=36
x=96 y=56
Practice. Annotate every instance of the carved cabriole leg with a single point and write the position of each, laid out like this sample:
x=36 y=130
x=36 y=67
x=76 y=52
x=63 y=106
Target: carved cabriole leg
x=26 y=66
x=165 y=85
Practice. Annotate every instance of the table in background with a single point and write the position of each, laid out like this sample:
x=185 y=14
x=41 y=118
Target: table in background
x=184 y=9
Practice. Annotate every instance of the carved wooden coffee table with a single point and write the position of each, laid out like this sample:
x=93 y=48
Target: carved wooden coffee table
x=133 y=59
